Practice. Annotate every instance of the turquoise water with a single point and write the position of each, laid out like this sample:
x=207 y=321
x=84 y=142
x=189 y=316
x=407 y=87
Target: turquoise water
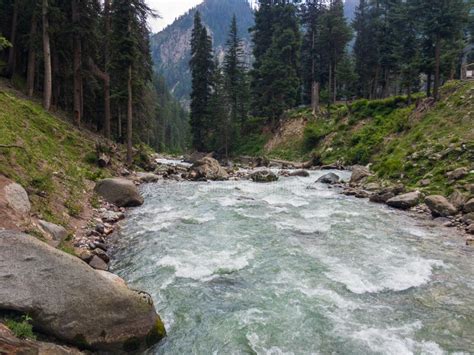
x=245 y=268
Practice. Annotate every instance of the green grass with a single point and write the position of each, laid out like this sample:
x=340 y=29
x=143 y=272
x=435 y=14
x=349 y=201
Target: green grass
x=21 y=327
x=54 y=162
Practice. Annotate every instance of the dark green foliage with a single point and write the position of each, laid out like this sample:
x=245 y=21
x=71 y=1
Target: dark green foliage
x=202 y=68
x=21 y=327
x=275 y=75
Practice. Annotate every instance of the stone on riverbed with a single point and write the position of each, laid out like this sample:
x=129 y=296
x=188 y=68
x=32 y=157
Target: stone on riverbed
x=301 y=173
x=56 y=233
x=120 y=192
x=70 y=301
x=469 y=206
x=330 y=179
x=440 y=206
x=207 y=169
x=263 y=176
x=359 y=174
x=14 y=204
x=405 y=201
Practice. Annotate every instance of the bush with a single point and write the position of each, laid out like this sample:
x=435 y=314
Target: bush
x=21 y=327
x=314 y=133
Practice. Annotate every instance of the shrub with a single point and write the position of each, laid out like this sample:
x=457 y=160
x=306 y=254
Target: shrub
x=21 y=327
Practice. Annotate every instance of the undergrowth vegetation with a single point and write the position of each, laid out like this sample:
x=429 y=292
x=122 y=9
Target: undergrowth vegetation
x=405 y=140
x=47 y=156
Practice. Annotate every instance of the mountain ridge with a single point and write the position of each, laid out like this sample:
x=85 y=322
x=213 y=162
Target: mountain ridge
x=170 y=48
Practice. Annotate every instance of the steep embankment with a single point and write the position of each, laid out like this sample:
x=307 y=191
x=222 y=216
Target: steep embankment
x=55 y=162
x=417 y=143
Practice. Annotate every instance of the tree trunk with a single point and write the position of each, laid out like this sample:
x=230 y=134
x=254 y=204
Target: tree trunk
x=48 y=84
x=30 y=72
x=428 y=84
x=129 y=118
x=119 y=127
x=107 y=115
x=330 y=83
x=315 y=98
x=12 y=51
x=437 y=68
x=334 y=88
x=77 y=65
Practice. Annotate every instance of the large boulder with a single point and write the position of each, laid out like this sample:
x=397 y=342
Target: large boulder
x=71 y=301
x=56 y=234
x=329 y=178
x=359 y=174
x=385 y=194
x=405 y=201
x=207 y=169
x=440 y=206
x=457 y=199
x=469 y=206
x=15 y=206
x=264 y=176
x=121 y=192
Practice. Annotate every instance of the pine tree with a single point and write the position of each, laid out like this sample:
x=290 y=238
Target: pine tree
x=235 y=77
x=440 y=21
x=201 y=65
x=275 y=75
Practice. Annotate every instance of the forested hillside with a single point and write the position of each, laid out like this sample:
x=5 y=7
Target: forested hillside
x=171 y=47
x=302 y=58
x=92 y=59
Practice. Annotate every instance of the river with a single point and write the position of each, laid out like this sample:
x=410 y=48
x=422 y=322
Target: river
x=247 y=268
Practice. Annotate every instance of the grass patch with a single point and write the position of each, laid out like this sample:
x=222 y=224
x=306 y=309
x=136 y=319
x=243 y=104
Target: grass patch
x=21 y=326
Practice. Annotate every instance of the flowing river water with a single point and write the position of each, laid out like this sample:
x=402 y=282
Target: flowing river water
x=247 y=268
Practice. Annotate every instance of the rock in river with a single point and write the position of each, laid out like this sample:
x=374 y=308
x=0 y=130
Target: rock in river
x=121 y=192
x=405 y=201
x=440 y=206
x=71 y=301
x=208 y=169
x=359 y=174
x=264 y=176
x=330 y=179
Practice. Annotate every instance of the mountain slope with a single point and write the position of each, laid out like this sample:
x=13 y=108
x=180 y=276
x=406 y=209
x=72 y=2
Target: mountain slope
x=171 y=47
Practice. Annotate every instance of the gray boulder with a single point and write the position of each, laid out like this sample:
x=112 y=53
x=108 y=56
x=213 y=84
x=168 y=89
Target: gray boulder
x=147 y=177
x=329 y=178
x=120 y=192
x=359 y=174
x=71 y=301
x=457 y=199
x=14 y=205
x=468 y=218
x=55 y=233
x=469 y=206
x=405 y=201
x=263 y=176
x=208 y=169
x=440 y=206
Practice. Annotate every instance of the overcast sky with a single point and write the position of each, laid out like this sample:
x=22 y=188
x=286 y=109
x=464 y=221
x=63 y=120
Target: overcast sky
x=169 y=10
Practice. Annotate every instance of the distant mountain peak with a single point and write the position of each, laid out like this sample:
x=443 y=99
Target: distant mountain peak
x=171 y=47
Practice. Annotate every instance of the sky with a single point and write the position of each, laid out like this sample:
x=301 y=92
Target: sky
x=169 y=10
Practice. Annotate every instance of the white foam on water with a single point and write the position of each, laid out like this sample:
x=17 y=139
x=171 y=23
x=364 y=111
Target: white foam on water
x=413 y=273
x=205 y=266
x=395 y=341
x=280 y=200
x=329 y=296
x=302 y=226
x=256 y=344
